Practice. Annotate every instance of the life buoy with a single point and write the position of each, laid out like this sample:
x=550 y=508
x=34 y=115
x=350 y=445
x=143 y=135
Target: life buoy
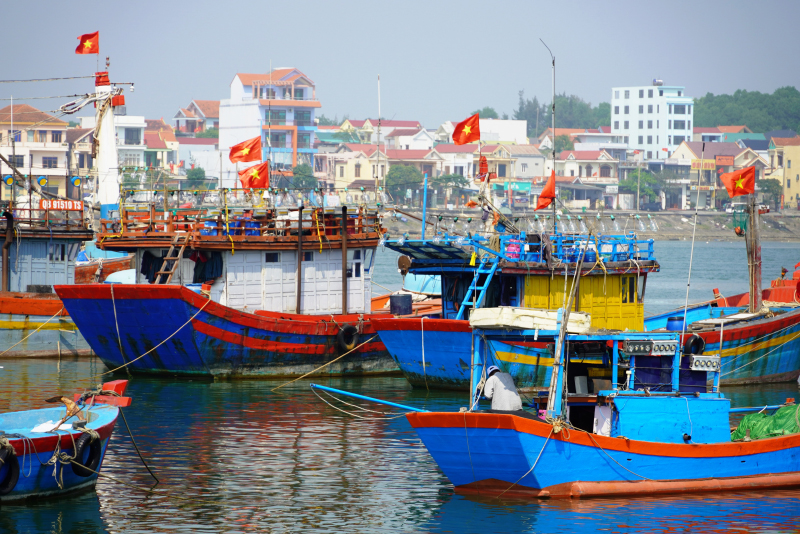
x=694 y=345
x=87 y=453
x=9 y=461
x=347 y=338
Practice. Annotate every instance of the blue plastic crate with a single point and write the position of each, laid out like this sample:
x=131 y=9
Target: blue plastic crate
x=210 y=228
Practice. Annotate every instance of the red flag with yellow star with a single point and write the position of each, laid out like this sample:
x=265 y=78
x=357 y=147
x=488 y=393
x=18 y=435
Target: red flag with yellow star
x=548 y=193
x=741 y=182
x=89 y=43
x=249 y=150
x=467 y=131
x=256 y=176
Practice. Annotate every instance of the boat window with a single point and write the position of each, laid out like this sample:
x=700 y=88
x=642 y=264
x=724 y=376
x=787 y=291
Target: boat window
x=72 y=251
x=632 y=288
x=57 y=252
x=273 y=257
x=368 y=257
x=308 y=256
x=640 y=295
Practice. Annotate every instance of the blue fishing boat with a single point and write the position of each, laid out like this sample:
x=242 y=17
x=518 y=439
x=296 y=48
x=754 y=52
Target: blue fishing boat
x=54 y=451
x=660 y=424
x=533 y=269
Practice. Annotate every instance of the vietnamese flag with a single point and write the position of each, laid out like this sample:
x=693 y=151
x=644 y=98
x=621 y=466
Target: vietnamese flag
x=548 y=193
x=249 y=150
x=742 y=182
x=89 y=43
x=256 y=176
x=467 y=131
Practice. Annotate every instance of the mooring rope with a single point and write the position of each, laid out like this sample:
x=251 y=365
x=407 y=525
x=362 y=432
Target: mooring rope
x=29 y=335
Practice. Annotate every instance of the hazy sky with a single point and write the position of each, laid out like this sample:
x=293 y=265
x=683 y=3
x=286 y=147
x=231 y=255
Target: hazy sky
x=438 y=60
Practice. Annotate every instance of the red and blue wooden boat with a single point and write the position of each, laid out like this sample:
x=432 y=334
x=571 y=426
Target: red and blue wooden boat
x=615 y=439
x=204 y=338
x=53 y=462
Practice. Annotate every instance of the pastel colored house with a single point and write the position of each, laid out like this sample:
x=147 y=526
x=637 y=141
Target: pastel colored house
x=198 y=116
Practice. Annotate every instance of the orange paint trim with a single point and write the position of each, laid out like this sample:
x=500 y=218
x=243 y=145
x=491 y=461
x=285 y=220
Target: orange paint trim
x=41 y=304
x=536 y=428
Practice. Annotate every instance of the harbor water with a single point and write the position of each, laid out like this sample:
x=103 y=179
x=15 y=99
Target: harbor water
x=234 y=456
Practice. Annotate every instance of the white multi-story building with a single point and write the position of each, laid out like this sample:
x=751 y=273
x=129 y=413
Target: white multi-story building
x=653 y=119
x=130 y=137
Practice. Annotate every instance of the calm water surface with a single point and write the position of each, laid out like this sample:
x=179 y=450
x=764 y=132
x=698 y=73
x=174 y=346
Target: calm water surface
x=236 y=457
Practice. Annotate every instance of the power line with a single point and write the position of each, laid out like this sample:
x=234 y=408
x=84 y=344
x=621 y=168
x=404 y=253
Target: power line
x=41 y=97
x=46 y=79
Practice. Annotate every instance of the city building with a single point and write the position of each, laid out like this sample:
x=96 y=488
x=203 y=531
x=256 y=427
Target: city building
x=280 y=107
x=161 y=143
x=784 y=154
x=130 y=137
x=655 y=118
x=545 y=138
x=458 y=159
x=493 y=131
x=367 y=129
x=198 y=116
x=601 y=139
x=36 y=145
x=526 y=161
x=591 y=165
x=409 y=139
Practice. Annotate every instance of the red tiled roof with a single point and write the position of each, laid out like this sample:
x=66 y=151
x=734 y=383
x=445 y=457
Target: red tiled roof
x=444 y=148
x=581 y=154
x=198 y=140
x=356 y=123
x=605 y=129
x=702 y=130
x=714 y=149
x=407 y=154
x=187 y=113
x=153 y=140
x=368 y=150
x=277 y=75
x=75 y=134
x=786 y=141
x=158 y=125
x=327 y=127
x=27 y=115
x=732 y=129
x=398 y=132
x=562 y=131
x=396 y=124
x=209 y=108
x=487 y=149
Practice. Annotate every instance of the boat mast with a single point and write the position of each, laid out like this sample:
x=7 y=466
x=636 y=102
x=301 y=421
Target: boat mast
x=553 y=58
x=754 y=256
x=107 y=188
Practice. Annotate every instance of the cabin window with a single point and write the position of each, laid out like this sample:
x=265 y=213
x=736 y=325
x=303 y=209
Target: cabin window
x=57 y=252
x=308 y=256
x=368 y=256
x=273 y=257
x=354 y=263
x=629 y=295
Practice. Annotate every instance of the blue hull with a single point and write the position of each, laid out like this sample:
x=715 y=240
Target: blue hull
x=490 y=452
x=177 y=335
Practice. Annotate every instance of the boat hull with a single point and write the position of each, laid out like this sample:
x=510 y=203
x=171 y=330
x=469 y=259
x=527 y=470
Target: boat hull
x=21 y=314
x=36 y=480
x=497 y=453
x=184 y=333
x=761 y=351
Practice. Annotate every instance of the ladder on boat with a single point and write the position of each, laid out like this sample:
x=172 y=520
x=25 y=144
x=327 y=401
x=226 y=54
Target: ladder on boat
x=487 y=267
x=180 y=240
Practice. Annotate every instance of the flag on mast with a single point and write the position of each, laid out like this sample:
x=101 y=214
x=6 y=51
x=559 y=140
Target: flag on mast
x=548 y=193
x=249 y=150
x=89 y=43
x=256 y=176
x=741 y=182
x=467 y=131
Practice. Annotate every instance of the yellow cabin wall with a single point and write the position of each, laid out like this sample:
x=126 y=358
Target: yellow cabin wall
x=602 y=297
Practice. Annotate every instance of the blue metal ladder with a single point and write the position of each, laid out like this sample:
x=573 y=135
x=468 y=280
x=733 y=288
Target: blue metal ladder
x=487 y=267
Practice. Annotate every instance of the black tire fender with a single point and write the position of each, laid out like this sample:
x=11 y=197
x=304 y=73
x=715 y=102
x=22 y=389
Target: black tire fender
x=694 y=345
x=9 y=481
x=347 y=338
x=86 y=467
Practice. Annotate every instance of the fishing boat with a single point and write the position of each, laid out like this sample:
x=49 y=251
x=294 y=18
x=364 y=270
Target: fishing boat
x=53 y=451
x=280 y=291
x=658 y=424
x=532 y=269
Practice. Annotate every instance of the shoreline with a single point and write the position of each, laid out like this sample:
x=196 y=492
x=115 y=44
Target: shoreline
x=672 y=225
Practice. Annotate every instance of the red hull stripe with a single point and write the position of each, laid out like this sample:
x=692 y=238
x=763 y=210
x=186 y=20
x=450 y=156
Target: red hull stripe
x=48 y=442
x=275 y=322
x=272 y=346
x=529 y=426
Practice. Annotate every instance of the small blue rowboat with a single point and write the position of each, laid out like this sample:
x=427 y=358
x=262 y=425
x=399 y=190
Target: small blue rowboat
x=37 y=460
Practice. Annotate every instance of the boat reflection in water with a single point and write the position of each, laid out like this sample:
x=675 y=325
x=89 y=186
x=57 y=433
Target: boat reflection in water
x=79 y=514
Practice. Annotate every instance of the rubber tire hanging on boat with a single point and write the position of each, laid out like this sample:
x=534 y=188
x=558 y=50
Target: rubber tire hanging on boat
x=92 y=460
x=9 y=481
x=694 y=345
x=347 y=338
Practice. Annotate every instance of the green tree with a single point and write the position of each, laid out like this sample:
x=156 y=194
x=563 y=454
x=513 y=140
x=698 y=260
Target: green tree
x=195 y=177
x=304 y=177
x=325 y=121
x=761 y=112
x=402 y=177
x=448 y=180
x=563 y=142
x=212 y=133
x=486 y=113
x=531 y=111
x=573 y=112
x=649 y=185
x=772 y=190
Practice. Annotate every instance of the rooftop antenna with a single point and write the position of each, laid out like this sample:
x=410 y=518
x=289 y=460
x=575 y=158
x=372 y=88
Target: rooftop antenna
x=553 y=58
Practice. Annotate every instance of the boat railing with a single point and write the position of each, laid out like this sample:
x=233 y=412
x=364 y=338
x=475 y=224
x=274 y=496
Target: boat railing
x=237 y=223
x=48 y=219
